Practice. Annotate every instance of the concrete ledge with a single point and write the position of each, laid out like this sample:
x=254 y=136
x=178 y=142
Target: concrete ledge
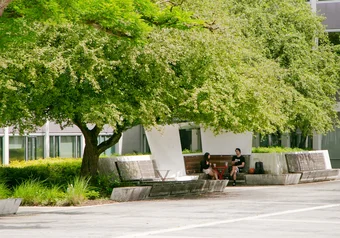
x=125 y=194
x=9 y=206
x=215 y=185
x=319 y=175
x=271 y=179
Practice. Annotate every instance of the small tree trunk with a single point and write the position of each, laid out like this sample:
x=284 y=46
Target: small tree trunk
x=3 y=5
x=89 y=166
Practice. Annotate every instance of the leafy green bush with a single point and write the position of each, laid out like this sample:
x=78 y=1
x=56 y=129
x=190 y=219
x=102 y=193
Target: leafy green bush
x=275 y=149
x=51 y=171
x=92 y=194
x=186 y=151
x=105 y=183
x=4 y=191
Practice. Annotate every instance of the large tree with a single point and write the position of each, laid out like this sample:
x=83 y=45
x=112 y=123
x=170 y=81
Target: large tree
x=126 y=63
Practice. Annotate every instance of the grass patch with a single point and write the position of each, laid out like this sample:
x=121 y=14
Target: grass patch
x=33 y=193
x=77 y=191
x=4 y=191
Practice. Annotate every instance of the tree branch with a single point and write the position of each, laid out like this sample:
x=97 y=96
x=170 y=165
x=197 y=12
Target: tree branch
x=110 y=142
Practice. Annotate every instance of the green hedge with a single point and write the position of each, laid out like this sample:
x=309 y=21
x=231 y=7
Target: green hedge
x=50 y=171
x=275 y=149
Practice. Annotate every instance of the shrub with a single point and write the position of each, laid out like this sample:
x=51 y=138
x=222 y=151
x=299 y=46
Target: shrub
x=275 y=149
x=4 y=191
x=92 y=194
x=104 y=183
x=51 y=171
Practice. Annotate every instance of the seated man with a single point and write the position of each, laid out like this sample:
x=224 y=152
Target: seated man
x=206 y=166
x=238 y=162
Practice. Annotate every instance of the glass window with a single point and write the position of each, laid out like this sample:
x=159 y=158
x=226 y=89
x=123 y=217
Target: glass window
x=39 y=147
x=191 y=139
x=65 y=146
x=110 y=151
x=17 y=146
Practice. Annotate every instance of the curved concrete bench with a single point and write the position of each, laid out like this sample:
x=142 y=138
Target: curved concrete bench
x=271 y=179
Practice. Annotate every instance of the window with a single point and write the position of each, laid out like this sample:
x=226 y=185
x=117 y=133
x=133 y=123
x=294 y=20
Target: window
x=65 y=146
x=110 y=151
x=191 y=139
x=17 y=147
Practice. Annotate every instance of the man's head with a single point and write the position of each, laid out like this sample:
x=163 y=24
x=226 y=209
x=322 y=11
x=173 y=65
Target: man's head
x=238 y=151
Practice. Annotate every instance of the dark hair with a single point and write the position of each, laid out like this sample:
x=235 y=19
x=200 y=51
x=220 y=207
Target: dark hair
x=206 y=156
x=238 y=149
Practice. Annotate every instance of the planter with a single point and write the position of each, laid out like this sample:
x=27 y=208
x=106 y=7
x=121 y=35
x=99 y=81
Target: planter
x=9 y=206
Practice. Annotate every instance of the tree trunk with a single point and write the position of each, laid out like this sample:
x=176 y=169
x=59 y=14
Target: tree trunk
x=92 y=151
x=3 y=5
x=89 y=166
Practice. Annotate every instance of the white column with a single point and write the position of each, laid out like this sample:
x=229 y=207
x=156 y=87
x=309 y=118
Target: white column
x=119 y=145
x=313 y=5
x=47 y=140
x=194 y=139
x=6 y=146
x=82 y=146
x=285 y=140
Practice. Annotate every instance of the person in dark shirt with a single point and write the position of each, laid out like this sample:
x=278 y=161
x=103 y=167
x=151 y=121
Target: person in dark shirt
x=206 y=166
x=238 y=162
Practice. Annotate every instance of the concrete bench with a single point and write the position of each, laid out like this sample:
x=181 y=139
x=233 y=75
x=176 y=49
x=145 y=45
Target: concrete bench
x=9 y=206
x=142 y=170
x=311 y=166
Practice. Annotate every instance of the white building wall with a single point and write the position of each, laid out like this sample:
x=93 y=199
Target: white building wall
x=225 y=143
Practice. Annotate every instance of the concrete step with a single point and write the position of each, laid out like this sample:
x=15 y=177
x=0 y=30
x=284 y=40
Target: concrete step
x=238 y=183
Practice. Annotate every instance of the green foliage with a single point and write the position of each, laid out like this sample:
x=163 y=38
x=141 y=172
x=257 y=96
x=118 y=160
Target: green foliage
x=275 y=149
x=77 y=191
x=105 y=183
x=92 y=194
x=235 y=65
x=51 y=171
x=4 y=191
x=33 y=193
x=186 y=151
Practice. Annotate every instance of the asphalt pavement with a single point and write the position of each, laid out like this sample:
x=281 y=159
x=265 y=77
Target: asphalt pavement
x=304 y=210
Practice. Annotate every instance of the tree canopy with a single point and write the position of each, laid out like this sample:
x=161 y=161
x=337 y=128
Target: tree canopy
x=229 y=65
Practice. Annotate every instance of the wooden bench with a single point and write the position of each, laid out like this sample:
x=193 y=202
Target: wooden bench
x=192 y=163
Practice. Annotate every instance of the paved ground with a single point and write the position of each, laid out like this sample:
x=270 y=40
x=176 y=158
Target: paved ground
x=310 y=210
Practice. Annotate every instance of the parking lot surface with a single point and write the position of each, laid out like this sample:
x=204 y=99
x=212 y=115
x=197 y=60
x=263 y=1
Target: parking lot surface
x=304 y=210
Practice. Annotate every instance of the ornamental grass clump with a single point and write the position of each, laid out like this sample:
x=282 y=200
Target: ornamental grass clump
x=76 y=192
x=31 y=192
x=4 y=191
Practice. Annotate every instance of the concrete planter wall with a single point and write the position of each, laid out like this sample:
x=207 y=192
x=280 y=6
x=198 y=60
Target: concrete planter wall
x=273 y=163
x=270 y=179
x=9 y=206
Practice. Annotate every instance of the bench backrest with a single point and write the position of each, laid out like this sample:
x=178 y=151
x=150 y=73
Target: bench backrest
x=299 y=162
x=136 y=170
x=192 y=162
